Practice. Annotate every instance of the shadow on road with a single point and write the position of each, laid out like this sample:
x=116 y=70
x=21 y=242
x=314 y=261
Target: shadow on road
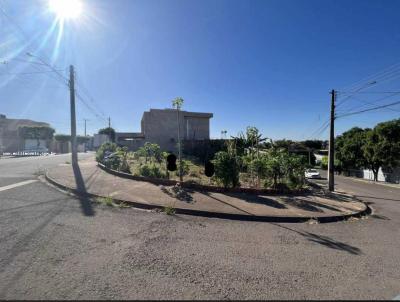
x=325 y=241
x=224 y=202
x=259 y=199
x=84 y=200
x=182 y=194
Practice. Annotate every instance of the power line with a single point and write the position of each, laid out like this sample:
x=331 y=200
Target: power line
x=320 y=129
x=51 y=67
x=91 y=99
x=28 y=73
x=369 y=92
x=372 y=77
x=375 y=101
x=89 y=107
x=369 y=109
x=370 y=103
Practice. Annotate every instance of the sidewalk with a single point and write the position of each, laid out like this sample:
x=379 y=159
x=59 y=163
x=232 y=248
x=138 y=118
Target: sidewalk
x=100 y=183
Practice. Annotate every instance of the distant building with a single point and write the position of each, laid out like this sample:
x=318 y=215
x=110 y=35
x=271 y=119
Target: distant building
x=319 y=154
x=160 y=126
x=98 y=140
x=9 y=136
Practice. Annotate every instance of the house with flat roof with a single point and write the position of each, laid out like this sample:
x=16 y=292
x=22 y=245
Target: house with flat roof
x=160 y=126
x=10 y=141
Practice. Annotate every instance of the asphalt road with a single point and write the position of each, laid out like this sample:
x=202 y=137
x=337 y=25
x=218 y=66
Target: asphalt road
x=51 y=249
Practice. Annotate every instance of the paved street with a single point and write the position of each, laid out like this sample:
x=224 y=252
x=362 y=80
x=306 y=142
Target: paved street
x=52 y=248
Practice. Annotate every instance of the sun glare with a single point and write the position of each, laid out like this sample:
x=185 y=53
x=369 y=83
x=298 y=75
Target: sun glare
x=66 y=9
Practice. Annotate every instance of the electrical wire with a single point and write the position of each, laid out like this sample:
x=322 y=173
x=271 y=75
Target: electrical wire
x=369 y=109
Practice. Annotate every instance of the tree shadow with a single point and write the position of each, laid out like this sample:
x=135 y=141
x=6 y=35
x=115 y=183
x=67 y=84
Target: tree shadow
x=325 y=241
x=301 y=204
x=259 y=199
x=377 y=216
x=83 y=195
x=336 y=196
x=182 y=194
x=206 y=193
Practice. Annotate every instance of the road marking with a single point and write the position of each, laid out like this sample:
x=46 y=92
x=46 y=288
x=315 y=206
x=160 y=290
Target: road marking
x=18 y=184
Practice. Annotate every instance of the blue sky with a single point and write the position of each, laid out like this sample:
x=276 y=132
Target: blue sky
x=269 y=63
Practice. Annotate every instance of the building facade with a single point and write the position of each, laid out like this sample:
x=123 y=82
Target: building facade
x=10 y=141
x=160 y=126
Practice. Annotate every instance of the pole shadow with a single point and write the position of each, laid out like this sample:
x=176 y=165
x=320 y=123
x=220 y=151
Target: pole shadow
x=83 y=196
x=325 y=241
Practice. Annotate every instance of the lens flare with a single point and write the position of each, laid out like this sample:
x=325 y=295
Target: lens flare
x=66 y=9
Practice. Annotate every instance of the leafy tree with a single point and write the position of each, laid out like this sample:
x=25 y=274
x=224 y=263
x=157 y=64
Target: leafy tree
x=282 y=144
x=150 y=152
x=349 y=148
x=313 y=144
x=226 y=169
x=281 y=167
x=108 y=131
x=185 y=168
x=250 y=141
x=382 y=147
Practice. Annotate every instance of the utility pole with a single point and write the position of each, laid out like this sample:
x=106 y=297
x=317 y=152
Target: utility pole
x=109 y=129
x=331 y=160
x=85 y=120
x=179 y=145
x=73 y=116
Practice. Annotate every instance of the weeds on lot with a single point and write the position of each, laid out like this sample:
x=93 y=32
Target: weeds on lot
x=68 y=162
x=169 y=210
x=108 y=201
x=123 y=205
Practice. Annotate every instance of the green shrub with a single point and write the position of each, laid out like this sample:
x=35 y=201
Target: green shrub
x=185 y=167
x=106 y=147
x=226 y=169
x=113 y=162
x=151 y=170
x=169 y=210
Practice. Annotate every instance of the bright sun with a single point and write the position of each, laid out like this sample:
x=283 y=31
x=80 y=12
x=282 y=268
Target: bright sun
x=66 y=9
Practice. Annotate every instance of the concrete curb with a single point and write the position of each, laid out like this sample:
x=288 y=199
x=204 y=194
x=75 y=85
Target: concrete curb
x=241 y=217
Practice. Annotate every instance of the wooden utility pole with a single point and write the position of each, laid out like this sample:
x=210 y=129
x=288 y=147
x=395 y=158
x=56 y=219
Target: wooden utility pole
x=73 y=116
x=331 y=160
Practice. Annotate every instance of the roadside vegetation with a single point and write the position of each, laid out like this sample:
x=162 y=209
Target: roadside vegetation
x=248 y=160
x=374 y=149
